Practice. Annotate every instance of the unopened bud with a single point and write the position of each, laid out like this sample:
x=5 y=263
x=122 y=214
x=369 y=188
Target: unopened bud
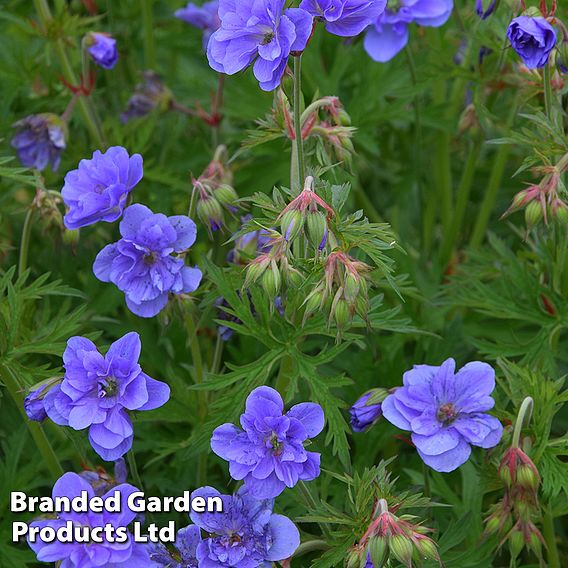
x=427 y=548
x=402 y=549
x=291 y=224
x=505 y=475
x=226 y=195
x=271 y=280
x=210 y=213
x=353 y=560
x=516 y=543
x=343 y=117
x=492 y=525
x=256 y=269
x=533 y=213
x=71 y=238
x=352 y=287
x=341 y=314
x=378 y=550
x=535 y=544
x=561 y=213
x=316 y=226
x=527 y=477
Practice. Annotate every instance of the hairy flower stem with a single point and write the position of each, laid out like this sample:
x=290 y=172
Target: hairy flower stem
x=550 y=538
x=40 y=439
x=25 y=241
x=298 y=124
x=523 y=418
x=217 y=355
x=311 y=546
x=86 y=104
x=493 y=186
x=149 y=43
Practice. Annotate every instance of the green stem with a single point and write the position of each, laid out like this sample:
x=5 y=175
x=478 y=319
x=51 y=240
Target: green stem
x=25 y=241
x=310 y=546
x=216 y=364
x=298 y=121
x=493 y=186
x=464 y=190
x=523 y=417
x=134 y=470
x=85 y=103
x=550 y=538
x=548 y=98
x=149 y=43
x=41 y=441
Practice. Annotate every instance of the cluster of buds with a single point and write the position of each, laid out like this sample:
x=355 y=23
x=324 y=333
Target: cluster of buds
x=214 y=192
x=389 y=536
x=344 y=286
x=512 y=518
x=272 y=268
x=543 y=200
x=309 y=215
x=325 y=121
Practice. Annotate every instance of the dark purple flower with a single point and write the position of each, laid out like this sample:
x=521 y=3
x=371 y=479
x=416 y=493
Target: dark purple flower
x=97 y=391
x=259 y=31
x=204 y=17
x=102 y=48
x=346 y=18
x=187 y=541
x=446 y=411
x=247 y=534
x=364 y=415
x=268 y=452
x=39 y=140
x=98 y=188
x=147 y=262
x=533 y=39
x=389 y=34
x=33 y=404
x=91 y=554
x=484 y=14
x=148 y=95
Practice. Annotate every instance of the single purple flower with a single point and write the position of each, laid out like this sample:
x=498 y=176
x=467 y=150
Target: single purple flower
x=346 y=18
x=389 y=34
x=247 y=534
x=204 y=17
x=533 y=39
x=258 y=31
x=187 y=541
x=33 y=404
x=268 y=452
x=102 y=49
x=147 y=263
x=446 y=411
x=484 y=14
x=39 y=140
x=90 y=554
x=148 y=95
x=98 y=391
x=364 y=415
x=98 y=188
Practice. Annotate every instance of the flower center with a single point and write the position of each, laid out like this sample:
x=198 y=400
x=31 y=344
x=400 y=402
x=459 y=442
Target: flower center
x=447 y=413
x=108 y=387
x=149 y=258
x=267 y=38
x=277 y=446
